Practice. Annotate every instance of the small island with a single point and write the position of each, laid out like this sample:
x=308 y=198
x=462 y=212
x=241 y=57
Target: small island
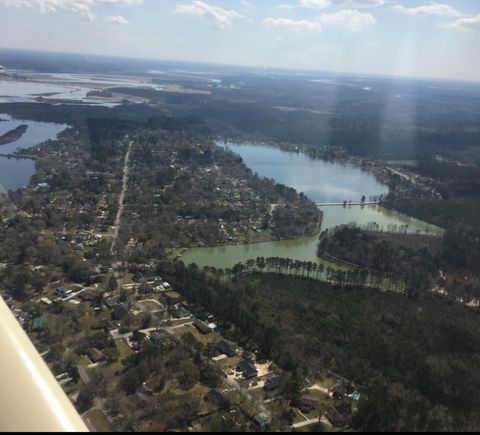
x=13 y=135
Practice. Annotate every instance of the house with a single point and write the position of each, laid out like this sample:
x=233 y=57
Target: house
x=96 y=355
x=137 y=275
x=106 y=325
x=217 y=400
x=79 y=247
x=307 y=403
x=83 y=236
x=23 y=214
x=201 y=327
x=342 y=390
x=110 y=303
x=157 y=338
x=158 y=289
x=249 y=356
x=261 y=421
x=120 y=311
x=63 y=293
x=46 y=301
x=180 y=312
x=152 y=280
x=335 y=418
x=224 y=348
x=38 y=324
x=248 y=369
x=144 y=288
x=103 y=269
x=87 y=297
x=273 y=384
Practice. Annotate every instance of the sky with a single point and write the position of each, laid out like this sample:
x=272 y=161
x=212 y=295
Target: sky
x=417 y=38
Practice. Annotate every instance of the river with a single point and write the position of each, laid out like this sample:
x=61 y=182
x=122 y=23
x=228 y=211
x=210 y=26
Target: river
x=323 y=182
x=16 y=173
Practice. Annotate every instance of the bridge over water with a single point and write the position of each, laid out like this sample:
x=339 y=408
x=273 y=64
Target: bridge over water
x=338 y=204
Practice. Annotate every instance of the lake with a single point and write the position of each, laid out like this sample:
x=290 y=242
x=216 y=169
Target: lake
x=323 y=182
x=16 y=173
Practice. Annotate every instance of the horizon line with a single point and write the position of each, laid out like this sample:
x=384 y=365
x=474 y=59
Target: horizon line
x=265 y=68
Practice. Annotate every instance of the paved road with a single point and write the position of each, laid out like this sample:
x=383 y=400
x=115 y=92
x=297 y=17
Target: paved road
x=319 y=388
x=306 y=423
x=83 y=374
x=118 y=220
x=121 y=199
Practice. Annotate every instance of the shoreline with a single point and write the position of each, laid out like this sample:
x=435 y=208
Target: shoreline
x=183 y=250
x=350 y=160
x=314 y=155
x=376 y=168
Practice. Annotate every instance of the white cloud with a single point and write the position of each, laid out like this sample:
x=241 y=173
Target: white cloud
x=117 y=19
x=314 y=4
x=222 y=17
x=287 y=23
x=324 y=4
x=467 y=23
x=350 y=19
x=433 y=8
x=360 y=3
x=85 y=8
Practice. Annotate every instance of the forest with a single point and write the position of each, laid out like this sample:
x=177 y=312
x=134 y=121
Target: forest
x=457 y=212
x=415 y=361
x=400 y=119
x=417 y=265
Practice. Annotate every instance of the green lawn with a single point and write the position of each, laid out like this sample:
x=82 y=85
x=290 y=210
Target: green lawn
x=172 y=294
x=298 y=417
x=124 y=352
x=151 y=306
x=213 y=337
x=325 y=381
x=229 y=363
